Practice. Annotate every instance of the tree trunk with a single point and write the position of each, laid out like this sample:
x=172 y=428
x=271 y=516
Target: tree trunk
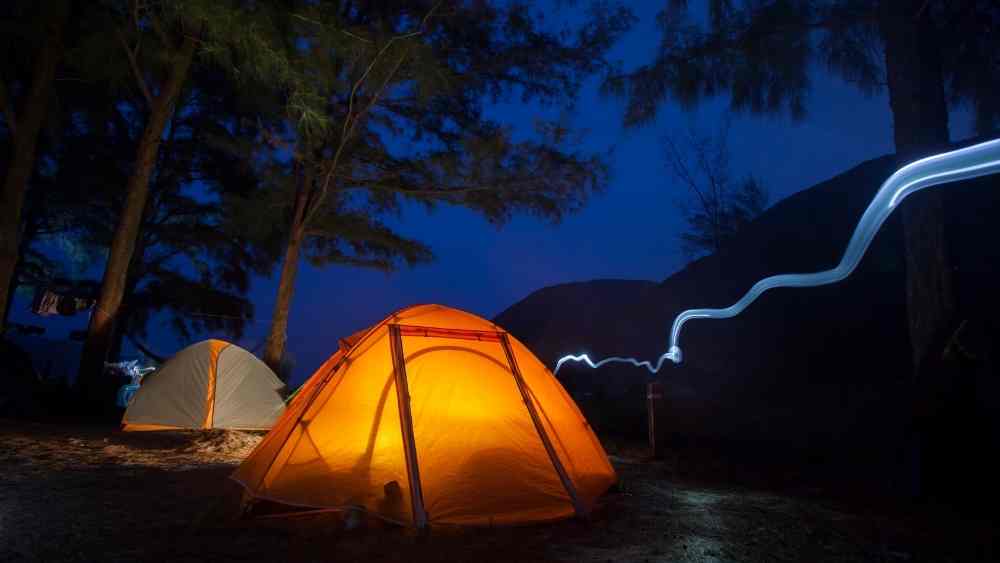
x=22 y=162
x=920 y=126
x=275 y=348
x=121 y=325
x=920 y=122
x=123 y=245
x=11 y=293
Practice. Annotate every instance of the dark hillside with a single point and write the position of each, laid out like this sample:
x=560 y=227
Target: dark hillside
x=825 y=371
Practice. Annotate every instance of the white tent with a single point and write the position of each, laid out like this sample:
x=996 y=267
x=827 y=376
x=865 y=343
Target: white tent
x=211 y=384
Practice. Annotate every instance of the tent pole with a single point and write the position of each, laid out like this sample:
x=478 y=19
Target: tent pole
x=522 y=386
x=316 y=391
x=406 y=427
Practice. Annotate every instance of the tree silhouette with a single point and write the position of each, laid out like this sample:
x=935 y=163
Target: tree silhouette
x=718 y=206
x=388 y=106
x=926 y=54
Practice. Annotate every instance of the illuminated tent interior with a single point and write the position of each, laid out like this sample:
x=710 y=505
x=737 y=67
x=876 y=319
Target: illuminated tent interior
x=432 y=416
x=211 y=384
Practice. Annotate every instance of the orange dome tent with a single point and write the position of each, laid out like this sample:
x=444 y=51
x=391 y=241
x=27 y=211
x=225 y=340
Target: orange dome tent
x=432 y=416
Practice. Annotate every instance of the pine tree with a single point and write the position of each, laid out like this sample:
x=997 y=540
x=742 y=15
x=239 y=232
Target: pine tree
x=160 y=81
x=161 y=45
x=718 y=206
x=186 y=268
x=385 y=104
x=185 y=264
x=45 y=33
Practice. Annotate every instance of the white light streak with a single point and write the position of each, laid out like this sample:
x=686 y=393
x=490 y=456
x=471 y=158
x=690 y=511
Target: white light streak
x=977 y=160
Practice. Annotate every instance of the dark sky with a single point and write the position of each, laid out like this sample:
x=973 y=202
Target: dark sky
x=628 y=232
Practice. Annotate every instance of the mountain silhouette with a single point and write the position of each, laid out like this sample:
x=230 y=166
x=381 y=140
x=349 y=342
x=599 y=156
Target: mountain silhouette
x=825 y=369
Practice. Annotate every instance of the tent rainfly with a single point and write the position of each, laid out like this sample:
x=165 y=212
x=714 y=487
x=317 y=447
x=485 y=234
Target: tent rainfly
x=433 y=416
x=211 y=384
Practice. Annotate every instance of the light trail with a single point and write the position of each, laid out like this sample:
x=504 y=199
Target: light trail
x=584 y=358
x=967 y=163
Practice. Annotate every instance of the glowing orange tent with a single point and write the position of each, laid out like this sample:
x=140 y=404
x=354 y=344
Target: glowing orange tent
x=432 y=416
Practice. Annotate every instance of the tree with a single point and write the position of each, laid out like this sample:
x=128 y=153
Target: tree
x=160 y=86
x=925 y=53
x=347 y=230
x=387 y=106
x=23 y=126
x=162 y=44
x=185 y=265
x=718 y=206
x=48 y=250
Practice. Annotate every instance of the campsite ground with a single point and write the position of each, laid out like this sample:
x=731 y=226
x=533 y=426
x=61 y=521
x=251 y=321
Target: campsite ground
x=77 y=493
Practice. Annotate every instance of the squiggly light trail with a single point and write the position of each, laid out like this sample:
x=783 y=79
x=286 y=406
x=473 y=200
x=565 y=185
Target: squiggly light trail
x=639 y=364
x=963 y=164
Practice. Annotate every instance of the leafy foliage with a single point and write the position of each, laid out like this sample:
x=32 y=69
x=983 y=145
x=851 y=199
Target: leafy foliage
x=762 y=54
x=354 y=110
x=185 y=265
x=377 y=105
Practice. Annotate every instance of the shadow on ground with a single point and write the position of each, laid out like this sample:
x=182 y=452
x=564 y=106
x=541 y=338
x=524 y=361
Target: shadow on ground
x=91 y=493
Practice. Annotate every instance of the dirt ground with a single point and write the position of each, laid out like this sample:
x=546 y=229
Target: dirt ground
x=72 y=493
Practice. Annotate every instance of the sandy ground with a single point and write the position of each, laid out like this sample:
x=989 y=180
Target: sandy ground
x=70 y=493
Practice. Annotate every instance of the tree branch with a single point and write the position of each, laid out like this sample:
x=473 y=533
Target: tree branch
x=679 y=165
x=276 y=142
x=8 y=108
x=920 y=12
x=167 y=42
x=361 y=184
x=426 y=192
x=136 y=71
x=320 y=24
x=349 y=121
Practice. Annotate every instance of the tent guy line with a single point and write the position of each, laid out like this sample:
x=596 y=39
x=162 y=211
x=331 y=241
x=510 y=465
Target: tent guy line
x=967 y=163
x=192 y=314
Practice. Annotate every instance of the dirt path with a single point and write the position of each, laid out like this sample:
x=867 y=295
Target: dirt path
x=94 y=494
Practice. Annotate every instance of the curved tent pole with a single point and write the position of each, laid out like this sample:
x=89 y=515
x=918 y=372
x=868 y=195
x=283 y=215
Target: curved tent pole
x=549 y=448
x=305 y=409
x=406 y=427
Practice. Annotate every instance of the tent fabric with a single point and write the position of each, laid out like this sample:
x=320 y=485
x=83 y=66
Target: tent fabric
x=480 y=456
x=211 y=384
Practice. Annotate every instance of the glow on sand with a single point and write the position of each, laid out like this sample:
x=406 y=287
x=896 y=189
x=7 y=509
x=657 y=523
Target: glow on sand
x=978 y=160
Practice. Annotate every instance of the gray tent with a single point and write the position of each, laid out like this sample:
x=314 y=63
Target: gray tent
x=211 y=384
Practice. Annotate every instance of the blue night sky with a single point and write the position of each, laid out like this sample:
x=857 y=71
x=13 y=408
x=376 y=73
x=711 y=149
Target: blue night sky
x=628 y=232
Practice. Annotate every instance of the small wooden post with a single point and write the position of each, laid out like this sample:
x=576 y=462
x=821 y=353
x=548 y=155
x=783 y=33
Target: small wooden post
x=654 y=395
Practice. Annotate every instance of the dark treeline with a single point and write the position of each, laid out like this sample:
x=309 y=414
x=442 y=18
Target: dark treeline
x=187 y=146
x=928 y=56
x=184 y=147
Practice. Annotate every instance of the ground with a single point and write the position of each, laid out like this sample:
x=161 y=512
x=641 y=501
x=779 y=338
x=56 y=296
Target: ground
x=79 y=493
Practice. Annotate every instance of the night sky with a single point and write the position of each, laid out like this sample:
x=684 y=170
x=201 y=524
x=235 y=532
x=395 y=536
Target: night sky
x=629 y=232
